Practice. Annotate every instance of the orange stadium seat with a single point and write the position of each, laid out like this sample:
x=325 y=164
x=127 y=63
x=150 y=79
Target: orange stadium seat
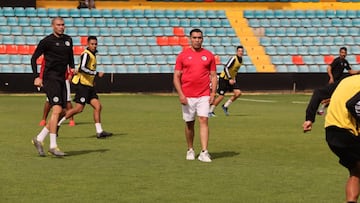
x=162 y=41
x=297 y=60
x=83 y=41
x=179 y=31
x=11 y=49
x=184 y=41
x=357 y=58
x=78 y=50
x=174 y=40
x=328 y=59
x=217 y=60
x=2 y=49
x=24 y=49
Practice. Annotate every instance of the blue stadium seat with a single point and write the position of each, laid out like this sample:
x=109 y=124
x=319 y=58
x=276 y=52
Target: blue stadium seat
x=347 y=22
x=94 y=31
x=30 y=12
x=12 y=21
x=19 y=12
x=8 y=11
x=52 y=12
x=300 y=14
x=138 y=13
x=330 y=14
x=308 y=59
x=95 y=13
x=279 y=14
x=298 y=41
x=351 y=14
x=4 y=59
x=286 y=41
x=259 y=14
x=117 y=60
x=322 y=31
x=349 y=40
x=116 y=13
x=23 y=21
x=108 y=13
x=127 y=13
x=74 y=13
x=285 y=22
x=307 y=41
x=159 y=13
x=169 y=13
x=281 y=68
x=248 y=14
x=354 y=31
x=123 y=50
x=139 y=60
x=101 y=22
x=126 y=32
x=121 y=69
x=130 y=41
x=275 y=22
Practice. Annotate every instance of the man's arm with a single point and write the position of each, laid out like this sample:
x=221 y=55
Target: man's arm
x=227 y=66
x=177 y=85
x=214 y=81
x=83 y=64
x=331 y=77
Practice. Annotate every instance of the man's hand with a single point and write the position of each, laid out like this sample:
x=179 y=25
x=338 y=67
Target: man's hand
x=232 y=81
x=307 y=126
x=38 y=82
x=101 y=74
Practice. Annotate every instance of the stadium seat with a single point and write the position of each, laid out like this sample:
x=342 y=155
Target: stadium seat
x=30 y=12
x=174 y=40
x=52 y=12
x=297 y=60
x=130 y=41
x=78 y=49
x=2 y=49
x=162 y=41
x=23 y=21
x=121 y=22
x=23 y=49
x=328 y=59
x=132 y=22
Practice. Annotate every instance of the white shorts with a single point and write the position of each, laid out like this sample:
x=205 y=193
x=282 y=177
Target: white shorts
x=196 y=106
x=67 y=83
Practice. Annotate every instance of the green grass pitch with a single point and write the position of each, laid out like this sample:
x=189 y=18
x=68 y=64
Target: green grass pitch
x=260 y=154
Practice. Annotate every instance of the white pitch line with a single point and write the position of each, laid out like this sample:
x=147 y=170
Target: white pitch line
x=299 y=102
x=258 y=100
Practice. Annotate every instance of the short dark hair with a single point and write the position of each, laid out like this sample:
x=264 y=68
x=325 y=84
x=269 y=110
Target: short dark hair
x=56 y=18
x=195 y=30
x=91 y=38
x=343 y=48
x=239 y=47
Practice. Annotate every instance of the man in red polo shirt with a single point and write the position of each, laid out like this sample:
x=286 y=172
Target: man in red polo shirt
x=195 y=72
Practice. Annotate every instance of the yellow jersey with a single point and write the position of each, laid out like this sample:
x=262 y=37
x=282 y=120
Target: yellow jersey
x=337 y=113
x=86 y=71
x=231 y=68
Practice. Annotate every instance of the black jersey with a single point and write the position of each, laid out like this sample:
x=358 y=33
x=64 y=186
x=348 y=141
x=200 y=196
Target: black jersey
x=338 y=66
x=58 y=55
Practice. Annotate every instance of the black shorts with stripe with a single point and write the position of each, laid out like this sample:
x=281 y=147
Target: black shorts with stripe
x=344 y=144
x=56 y=92
x=84 y=94
x=224 y=86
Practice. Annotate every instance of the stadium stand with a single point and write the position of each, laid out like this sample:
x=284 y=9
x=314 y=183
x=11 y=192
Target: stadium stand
x=143 y=40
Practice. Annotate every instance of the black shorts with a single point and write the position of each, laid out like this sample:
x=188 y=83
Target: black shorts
x=56 y=92
x=344 y=144
x=84 y=94
x=224 y=86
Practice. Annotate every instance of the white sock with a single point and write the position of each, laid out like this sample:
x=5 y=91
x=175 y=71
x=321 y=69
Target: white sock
x=43 y=133
x=53 y=143
x=212 y=108
x=61 y=121
x=227 y=104
x=98 y=127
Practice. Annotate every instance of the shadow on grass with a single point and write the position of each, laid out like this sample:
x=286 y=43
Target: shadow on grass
x=113 y=135
x=218 y=155
x=93 y=136
x=81 y=152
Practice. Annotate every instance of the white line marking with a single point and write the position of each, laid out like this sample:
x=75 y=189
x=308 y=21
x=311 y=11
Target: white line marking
x=299 y=102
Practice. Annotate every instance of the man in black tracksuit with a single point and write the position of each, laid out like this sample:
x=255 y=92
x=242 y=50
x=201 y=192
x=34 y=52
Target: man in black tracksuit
x=57 y=49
